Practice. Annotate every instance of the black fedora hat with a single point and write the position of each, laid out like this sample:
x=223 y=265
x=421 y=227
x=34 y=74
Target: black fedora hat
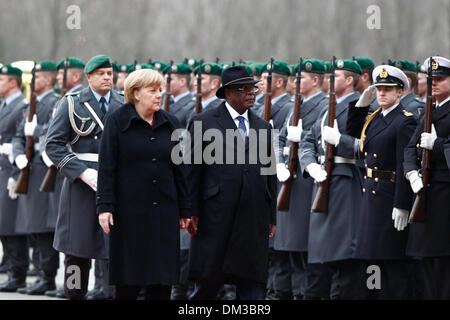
x=234 y=76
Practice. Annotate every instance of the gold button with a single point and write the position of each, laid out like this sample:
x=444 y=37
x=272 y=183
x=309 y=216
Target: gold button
x=417 y=145
x=428 y=185
x=373 y=192
x=365 y=153
x=365 y=177
x=374 y=155
x=376 y=179
x=376 y=168
x=364 y=189
x=366 y=165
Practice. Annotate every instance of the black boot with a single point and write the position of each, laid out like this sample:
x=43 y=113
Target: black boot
x=14 y=282
x=47 y=283
x=31 y=286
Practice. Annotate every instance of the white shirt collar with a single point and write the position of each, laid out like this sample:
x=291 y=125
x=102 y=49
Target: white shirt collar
x=78 y=87
x=386 y=112
x=180 y=96
x=98 y=97
x=12 y=97
x=339 y=100
x=443 y=102
x=275 y=100
x=234 y=114
x=208 y=101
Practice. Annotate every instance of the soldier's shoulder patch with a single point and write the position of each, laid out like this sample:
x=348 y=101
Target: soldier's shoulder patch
x=72 y=94
x=407 y=114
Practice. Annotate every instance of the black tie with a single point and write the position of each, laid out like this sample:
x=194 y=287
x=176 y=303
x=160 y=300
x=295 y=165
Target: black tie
x=102 y=105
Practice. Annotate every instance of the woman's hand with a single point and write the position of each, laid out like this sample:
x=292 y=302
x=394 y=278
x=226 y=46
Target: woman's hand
x=105 y=219
x=184 y=223
x=272 y=228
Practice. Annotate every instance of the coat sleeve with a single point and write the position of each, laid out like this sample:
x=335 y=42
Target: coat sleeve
x=193 y=170
x=355 y=119
x=403 y=195
x=412 y=156
x=307 y=149
x=56 y=145
x=107 y=168
x=19 y=139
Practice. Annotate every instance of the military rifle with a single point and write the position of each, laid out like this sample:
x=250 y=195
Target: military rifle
x=22 y=182
x=419 y=208
x=268 y=98
x=320 y=203
x=284 y=196
x=198 y=100
x=167 y=94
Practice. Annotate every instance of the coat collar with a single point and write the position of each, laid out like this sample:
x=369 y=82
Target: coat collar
x=311 y=104
x=343 y=105
x=383 y=122
x=129 y=114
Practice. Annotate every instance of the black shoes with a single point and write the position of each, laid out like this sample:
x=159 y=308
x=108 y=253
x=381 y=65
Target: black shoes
x=12 y=285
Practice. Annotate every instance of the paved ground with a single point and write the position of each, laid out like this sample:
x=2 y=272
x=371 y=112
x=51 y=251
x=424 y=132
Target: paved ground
x=30 y=280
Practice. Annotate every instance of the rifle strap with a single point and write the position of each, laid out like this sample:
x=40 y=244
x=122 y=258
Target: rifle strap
x=366 y=124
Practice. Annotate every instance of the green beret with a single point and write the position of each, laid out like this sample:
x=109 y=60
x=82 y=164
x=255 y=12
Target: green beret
x=210 y=68
x=130 y=67
x=10 y=70
x=348 y=65
x=123 y=68
x=140 y=66
x=45 y=66
x=257 y=68
x=293 y=69
x=115 y=66
x=404 y=65
x=100 y=61
x=278 y=67
x=160 y=66
x=73 y=63
x=225 y=65
x=193 y=63
x=181 y=68
x=328 y=65
x=247 y=67
x=421 y=68
x=364 y=62
x=314 y=66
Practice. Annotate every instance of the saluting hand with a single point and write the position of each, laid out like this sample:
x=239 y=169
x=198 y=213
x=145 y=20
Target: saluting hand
x=105 y=219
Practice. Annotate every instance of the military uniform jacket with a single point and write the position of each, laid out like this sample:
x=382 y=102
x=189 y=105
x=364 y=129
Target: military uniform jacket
x=332 y=235
x=432 y=237
x=383 y=148
x=10 y=117
x=280 y=111
x=235 y=204
x=183 y=108
x=77 y=231
x=293 y=226
x=411 y=104
x=32 y=210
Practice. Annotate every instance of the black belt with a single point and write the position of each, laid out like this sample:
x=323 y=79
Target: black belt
x=380 y=174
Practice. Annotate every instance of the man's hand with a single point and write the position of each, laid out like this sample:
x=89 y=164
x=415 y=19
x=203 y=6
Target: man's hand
x=332 y=135
x=105 y=219
x=400 y=217
x=193 y=226
x=282 y=172
x=11 y=186
x=89 y=176
x=294 y=134
x=21 y=161
x=184 y=223
x=30 y=127
x=272 y=228
x=427 y=139
x=367 y=97
x=415 y=180
x=316 y=172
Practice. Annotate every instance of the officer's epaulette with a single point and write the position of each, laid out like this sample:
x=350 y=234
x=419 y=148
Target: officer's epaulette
x=72 y=94
x=406 y=113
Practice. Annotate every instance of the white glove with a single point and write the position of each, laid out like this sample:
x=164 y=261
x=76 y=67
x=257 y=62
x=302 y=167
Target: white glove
x=21 y=161
x=286 y=151
x=367 y=97
x=89 y=176
x=282 y=172
x=295 y=133
x=400 y=217
x=427 y=139
x=30 y=127
x=316 y=172
x=46 y=159
x=415 y=180
x=332 y=135
x=6 y=148
x=11 y=186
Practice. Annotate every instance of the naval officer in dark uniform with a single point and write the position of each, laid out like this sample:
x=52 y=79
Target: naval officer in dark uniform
x=79 y=123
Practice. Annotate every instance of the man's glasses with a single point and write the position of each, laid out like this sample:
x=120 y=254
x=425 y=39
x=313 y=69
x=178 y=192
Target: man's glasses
x=253 y=89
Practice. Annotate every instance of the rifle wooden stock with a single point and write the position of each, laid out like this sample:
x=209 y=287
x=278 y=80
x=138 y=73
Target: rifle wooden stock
x=167 y=94
x=198 y=100
x=268 y=98
x=419 y=209
x=49 y=181
x=284 y=196
x=320 y=203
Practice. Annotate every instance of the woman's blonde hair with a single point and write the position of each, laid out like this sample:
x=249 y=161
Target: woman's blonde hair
x=140 y=79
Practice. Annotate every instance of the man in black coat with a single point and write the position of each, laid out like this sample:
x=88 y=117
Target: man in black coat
x=234 y=204
x=430 y=240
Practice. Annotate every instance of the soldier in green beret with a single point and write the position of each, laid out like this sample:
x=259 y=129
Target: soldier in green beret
x=290 y=88
x=421 y=88
x=183 y=100
x=78 y=123
x=365 y=80
x=409 y=100
x=257 y=68
x=14 y=244
x=123 y=74
x=326 y=78
x=74 y=74
x=160 y=66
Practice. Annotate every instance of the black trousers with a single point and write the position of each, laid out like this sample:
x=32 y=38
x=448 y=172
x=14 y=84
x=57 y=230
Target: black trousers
x=348 y=280
x=317 y=282
x=76 y=277
x=153 y=292
x=16 y=249
x=435 y=274
x=207 y=289
x=48 y=256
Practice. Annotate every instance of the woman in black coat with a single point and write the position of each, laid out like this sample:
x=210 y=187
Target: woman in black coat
x=142 y=199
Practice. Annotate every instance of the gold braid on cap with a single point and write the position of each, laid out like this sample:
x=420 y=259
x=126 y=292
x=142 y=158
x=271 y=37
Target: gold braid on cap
x=363 y=132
